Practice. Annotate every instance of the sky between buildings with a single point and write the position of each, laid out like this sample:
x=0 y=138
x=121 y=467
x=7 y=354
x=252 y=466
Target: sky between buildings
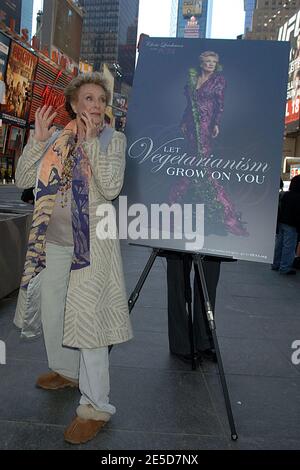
x=154 y=18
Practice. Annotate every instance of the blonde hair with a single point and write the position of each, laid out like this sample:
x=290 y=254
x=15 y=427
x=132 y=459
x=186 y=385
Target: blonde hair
x=71 y=90
x=209 y=54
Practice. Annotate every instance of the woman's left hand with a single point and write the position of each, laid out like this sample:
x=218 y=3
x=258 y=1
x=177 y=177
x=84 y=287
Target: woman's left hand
x=215 y=131
x=90 y=126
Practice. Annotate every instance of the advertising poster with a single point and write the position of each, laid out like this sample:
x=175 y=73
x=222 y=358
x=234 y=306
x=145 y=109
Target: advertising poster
x=119 y=105
x=16 y=137
x=205 y=131
x=20 y=71
x=191 y=8
x=4 y=50
x=290 y=32
x=295 y=171
x=3 y=135
x=293 y=93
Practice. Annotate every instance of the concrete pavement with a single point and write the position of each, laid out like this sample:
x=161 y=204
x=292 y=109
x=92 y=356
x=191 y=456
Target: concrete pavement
x=161 y=403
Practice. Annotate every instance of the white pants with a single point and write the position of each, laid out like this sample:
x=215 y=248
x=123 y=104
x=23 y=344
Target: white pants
x=90 y=366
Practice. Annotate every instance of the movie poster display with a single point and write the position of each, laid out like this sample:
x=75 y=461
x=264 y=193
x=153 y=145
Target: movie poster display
x=19 y=74
x=197 y=136
x=3 y=135
x=15 y=142
x=4 y=50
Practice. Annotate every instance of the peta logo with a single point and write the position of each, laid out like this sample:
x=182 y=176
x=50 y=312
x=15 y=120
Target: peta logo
x=291 y=26
x=2 y=353
x=296 y=354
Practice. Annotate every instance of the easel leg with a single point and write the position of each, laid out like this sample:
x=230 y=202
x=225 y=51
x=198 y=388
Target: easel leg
x=210 y=317
x=136 y=292
x=187 y=264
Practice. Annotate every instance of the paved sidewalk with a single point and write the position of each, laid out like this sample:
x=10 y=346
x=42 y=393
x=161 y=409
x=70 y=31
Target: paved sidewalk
x=161 y=402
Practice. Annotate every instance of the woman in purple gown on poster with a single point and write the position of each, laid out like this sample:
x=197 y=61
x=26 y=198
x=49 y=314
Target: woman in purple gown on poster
x=200 y=125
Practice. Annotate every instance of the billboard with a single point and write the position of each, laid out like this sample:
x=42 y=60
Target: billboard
x=4 y=50
x=294 y=170
x=19 y=74
x=10 y=13
x=119 y=105
x=290 y=31
x=198 y=142
x=49 y=89
x=191 y=8
x=67 y=30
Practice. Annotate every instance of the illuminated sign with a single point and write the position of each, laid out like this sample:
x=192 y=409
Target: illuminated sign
x=294 y=170
x=192 y=8
x=51 y=96
x=290 y=31
x=292 y=26
x=48 y=89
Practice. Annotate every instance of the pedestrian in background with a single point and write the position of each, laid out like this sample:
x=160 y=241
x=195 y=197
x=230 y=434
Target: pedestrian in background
x=288 y=229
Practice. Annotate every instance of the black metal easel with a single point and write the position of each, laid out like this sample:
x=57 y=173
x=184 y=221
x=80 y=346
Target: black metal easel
x=198 y=266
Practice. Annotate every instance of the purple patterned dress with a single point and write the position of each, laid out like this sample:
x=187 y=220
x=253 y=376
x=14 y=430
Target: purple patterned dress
x=209 y=100
x=204 y=109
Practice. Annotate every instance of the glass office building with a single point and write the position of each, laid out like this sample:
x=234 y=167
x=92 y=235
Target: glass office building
x=26 y=15
x=249 y=7
x=109 y=35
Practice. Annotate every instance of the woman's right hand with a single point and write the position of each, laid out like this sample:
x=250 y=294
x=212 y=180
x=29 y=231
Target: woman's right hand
x=43 y=121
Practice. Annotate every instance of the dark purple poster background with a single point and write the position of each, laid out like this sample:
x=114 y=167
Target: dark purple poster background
x=205 y=126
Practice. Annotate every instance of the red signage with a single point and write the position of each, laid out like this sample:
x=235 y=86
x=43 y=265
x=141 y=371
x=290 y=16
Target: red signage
x=48 y=89
x=292 y=111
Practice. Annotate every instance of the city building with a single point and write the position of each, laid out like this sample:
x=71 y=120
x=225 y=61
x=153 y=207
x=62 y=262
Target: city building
x=109 y=36
x=201 y=10
x=61 y=32
x=26 y=16
x=249 y=7
x=268 y=16
x=10 y=14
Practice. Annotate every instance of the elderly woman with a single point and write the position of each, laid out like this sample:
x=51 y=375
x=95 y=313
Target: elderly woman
x=73 y=283
x=205 y=97
x=200 y=124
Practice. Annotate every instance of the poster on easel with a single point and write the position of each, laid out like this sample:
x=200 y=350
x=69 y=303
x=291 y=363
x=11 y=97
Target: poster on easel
x=205 y=131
